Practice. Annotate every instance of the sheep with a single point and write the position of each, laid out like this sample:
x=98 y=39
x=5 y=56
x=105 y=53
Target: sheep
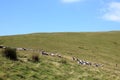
x=3 y=47
x=73 y=58
x=52 y=54
x=19 y=49
x=59 y=56
x=44 y=53
x=96 y=65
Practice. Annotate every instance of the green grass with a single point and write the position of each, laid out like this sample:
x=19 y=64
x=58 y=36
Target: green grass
x=96 y=47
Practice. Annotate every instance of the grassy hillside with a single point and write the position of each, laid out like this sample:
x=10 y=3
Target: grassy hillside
x=96 y=47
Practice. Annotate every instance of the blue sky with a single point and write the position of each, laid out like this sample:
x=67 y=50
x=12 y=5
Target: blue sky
x=31 y=16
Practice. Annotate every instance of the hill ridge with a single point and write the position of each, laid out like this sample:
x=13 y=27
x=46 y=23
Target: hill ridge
x=101 y=47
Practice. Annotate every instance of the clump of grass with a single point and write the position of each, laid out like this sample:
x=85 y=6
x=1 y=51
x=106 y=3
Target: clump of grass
x=10 y=53
x=35 y=58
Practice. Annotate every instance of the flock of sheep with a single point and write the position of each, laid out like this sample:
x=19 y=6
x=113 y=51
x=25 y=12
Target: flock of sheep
x=83 y=62
x=79 y=61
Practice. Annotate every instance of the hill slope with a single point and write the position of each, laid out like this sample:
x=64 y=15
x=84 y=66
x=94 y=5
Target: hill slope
x=96 y=47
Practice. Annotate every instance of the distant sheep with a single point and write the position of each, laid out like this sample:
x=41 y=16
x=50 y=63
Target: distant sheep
x=3 y=47
x=58 y=55
x=44 y=53
x=20 y=49
x=73 y=58
x=82 y=62
x=52 y=54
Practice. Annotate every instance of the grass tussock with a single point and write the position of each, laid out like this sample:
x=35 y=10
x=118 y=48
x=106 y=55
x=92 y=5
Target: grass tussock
x=10 y=53
x=35 y=58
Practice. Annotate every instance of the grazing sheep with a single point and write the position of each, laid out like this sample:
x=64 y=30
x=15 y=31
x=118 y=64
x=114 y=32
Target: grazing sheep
x=82 y=62
x=3 y=47
x=44 y=53
x=77 y=59
x=73 y=58
x=88 y=63
x=59 y=56
x=24 y=49
x=96 y=65
x=52 y=54
x=19 y=49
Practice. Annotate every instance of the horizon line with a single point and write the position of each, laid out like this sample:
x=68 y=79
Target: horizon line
x=58 y=32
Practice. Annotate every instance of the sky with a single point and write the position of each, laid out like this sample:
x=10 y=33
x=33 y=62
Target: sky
x=33 y=16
